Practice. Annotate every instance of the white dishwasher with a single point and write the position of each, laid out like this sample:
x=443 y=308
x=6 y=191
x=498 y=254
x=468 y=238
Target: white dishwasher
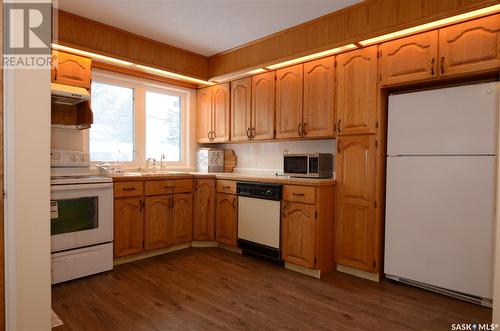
x=259 y=208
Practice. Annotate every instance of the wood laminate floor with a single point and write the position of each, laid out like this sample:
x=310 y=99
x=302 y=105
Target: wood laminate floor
x=211 y=289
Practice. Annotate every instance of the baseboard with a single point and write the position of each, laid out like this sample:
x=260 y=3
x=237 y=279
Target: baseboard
x=231 y=248
x=309 y=272
x=203 y=243
x=145 y=255
x=375 y=277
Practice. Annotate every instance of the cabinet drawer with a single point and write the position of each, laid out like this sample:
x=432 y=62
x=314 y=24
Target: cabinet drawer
x=226 y=186
x=169 y=186
x=303 y=194
x=128 y=189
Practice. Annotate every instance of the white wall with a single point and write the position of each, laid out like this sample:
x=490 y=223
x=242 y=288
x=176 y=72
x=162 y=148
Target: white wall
x=268 y=156
x=27 y=180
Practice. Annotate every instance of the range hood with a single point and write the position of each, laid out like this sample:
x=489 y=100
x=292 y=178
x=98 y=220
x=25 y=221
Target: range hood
x=68 y=95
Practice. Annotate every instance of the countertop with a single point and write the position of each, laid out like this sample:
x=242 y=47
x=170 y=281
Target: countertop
x=133 y=176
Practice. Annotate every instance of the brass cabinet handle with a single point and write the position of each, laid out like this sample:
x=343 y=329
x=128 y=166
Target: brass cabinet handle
x=141 y=205
x=338 y=146
x=172 y=202
x=304 y=128
x=284 y=210
x=432 y=66
x=253 y=133
x=442 y=65
x=297 y=194
x=225 y=187
x=299 y=129
x=129 y=188
x=249 y=135
x=234 y=203
x=339 y=130
x=169 y=187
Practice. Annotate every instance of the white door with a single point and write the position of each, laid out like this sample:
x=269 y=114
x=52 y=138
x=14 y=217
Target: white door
x=457 y=120
x=440 y=221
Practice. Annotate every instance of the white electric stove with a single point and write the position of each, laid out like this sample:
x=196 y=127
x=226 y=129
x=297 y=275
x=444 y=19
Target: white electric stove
x=81 y=217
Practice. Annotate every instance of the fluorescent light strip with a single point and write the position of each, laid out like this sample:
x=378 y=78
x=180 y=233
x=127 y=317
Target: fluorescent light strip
x=256 y=71
x=312 y=56
x=431 y=25
x=130 y=65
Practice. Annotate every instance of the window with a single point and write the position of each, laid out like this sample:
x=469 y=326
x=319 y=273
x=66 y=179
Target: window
x=137 y=119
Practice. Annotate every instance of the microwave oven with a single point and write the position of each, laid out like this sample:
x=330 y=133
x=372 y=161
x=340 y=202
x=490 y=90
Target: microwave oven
x=315 y=165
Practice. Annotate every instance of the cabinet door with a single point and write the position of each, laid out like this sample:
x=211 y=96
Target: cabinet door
x=157 y=224
x=263 y=106
x=355 y=230
x=129 y=225
x=470 y=47
x=241 y=101
x=289 y=102
x=221 y=112
x=319 y=109
x=182 y=218
x=71 y=69
x=298 y=233
x=204 y=114
x=204 y=210
x=357 y=91
x=409 y=59
x=226 y=219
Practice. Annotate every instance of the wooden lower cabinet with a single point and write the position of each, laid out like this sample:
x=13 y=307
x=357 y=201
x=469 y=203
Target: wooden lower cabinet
x=355 y=233
x=298 y=231
x=182 y=218
x=157 y=233
x=204 y=209
x=128 y=226
x=307 y=227
x=226 y=219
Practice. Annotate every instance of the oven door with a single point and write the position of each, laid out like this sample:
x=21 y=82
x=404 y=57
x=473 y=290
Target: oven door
x=295 y=165
x=81 y=215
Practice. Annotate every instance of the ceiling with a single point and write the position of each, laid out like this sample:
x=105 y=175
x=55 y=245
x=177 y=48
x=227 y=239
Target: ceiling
x=205 y=27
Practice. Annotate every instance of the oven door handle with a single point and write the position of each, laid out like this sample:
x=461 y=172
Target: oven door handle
x=58 y=188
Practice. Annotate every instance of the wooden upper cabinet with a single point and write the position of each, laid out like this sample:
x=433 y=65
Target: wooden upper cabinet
x=409 y=59
x=128 y=226
x=204 y=114
x=221 y=113
x=357 y=91
x=157 y=227
x=263 y=92
x=319 y=108
x=182 y=217
x=355 y=212
x=298 y=234
x=289 y=83
x=204 y=209
x=70 y=69
x=241 y=104
x=226 y=229
x=470 y=47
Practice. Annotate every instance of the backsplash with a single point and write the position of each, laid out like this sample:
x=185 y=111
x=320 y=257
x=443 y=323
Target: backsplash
x=268 y=156
x=71 y=139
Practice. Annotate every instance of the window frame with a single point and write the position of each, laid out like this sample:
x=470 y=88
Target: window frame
x=140 y=87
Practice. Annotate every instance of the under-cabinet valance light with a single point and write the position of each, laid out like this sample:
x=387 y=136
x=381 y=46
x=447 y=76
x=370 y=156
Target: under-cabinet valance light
x=127 y=64
x=312 y=56
x=432 y=25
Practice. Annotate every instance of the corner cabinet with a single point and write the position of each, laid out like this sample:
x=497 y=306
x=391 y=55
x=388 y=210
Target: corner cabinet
x=357 y=91
x=355 y=230
x=289 y=83
x=204 y=209
x=226 y=229
x=214 y=114
x=409 y=59
x=470 y=47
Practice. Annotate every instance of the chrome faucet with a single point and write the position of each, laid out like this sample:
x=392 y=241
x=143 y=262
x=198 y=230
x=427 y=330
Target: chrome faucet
x=161 y=161
x=147 y=164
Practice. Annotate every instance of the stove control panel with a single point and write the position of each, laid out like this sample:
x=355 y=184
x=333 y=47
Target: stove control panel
x=67 y=158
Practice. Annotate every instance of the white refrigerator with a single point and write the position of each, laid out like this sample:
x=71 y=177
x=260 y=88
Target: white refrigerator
x=440 y=201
